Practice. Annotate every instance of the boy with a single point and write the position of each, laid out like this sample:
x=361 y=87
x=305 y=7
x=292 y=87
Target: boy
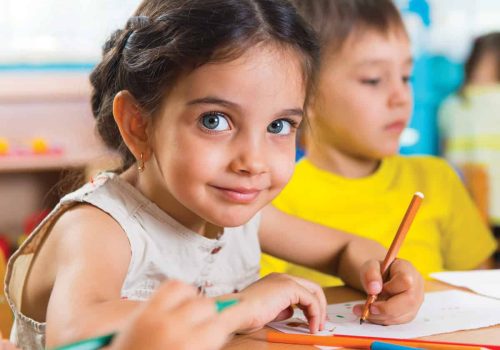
x=351 y=177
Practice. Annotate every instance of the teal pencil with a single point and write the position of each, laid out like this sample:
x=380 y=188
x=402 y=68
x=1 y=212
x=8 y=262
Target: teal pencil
x=104 y=340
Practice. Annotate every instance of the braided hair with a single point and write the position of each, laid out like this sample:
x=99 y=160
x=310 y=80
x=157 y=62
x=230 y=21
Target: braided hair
x=166 y=38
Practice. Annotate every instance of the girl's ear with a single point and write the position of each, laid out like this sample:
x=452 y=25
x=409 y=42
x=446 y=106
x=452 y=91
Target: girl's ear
x=132 y=124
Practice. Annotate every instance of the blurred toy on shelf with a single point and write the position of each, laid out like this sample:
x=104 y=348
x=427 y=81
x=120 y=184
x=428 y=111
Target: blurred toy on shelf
x=4 y=146
x=37 y=146
x=31 y=222
x=4 y=247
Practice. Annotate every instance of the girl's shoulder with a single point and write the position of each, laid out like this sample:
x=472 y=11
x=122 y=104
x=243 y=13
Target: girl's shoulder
x=82 y=241
x=84 y=222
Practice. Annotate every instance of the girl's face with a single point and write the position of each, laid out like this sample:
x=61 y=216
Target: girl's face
x=363 y=102
x=485 y=71
x=224 y=142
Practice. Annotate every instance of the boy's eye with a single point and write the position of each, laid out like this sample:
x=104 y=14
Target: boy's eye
x=280 y=126
x=407 y=79
x=215 y=121
x=373 y=82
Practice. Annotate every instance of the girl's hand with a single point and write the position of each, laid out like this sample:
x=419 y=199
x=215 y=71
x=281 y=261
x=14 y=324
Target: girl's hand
x=272 y=297
x=175 y=318
x=400 y=296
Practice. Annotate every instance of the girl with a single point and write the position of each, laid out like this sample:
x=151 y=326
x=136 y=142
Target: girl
x=362 y=104
x=203 y=98
x=469 y=122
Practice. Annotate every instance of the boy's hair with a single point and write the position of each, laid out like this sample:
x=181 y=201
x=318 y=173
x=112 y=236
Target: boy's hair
x=485 y=44
x=167 y=38
x=335 y=20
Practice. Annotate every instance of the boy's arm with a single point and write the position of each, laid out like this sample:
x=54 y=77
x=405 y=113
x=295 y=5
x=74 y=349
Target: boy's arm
x=487 y=264
x=316 y=246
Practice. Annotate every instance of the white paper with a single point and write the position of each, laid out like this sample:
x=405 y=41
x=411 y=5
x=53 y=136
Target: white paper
x=485 y=282
x=441 y=312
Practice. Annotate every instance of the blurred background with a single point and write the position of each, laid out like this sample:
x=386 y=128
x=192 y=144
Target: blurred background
x=50 y=46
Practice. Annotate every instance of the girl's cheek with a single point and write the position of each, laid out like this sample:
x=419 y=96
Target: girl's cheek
x=283 y=172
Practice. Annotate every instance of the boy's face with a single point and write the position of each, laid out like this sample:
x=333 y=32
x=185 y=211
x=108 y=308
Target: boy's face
x=364 y=101
x=224 y=141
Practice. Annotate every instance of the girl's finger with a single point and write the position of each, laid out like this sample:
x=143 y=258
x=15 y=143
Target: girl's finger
x=309 y=303
x=285 y=314
x=318 y=292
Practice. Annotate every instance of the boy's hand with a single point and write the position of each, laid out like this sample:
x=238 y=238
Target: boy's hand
x=270 y=299
x=399 y=297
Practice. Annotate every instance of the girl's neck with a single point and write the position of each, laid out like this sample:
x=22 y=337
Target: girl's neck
x=150 y=188
x=340 y=163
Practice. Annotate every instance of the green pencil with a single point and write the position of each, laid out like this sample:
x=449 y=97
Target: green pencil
x=104 y=340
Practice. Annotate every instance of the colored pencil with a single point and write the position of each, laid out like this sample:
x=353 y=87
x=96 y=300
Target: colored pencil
x=378 y=345
x=394 y=248
x=357 y=342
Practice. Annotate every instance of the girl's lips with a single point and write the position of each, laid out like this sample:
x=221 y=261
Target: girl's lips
x=239 y=195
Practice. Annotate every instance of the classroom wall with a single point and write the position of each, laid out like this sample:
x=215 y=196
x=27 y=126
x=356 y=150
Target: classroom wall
x=53 y=107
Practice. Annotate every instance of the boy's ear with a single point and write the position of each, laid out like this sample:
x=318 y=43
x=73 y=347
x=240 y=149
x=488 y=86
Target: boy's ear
x=132 y=124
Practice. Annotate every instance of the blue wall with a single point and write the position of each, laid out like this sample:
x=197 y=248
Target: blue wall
x=434 y=78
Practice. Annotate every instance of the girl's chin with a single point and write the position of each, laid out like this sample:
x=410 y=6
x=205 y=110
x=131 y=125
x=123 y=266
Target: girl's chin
x=230 y=219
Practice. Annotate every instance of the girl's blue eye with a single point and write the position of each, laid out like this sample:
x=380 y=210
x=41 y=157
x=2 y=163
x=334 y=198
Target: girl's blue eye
x=280 y=127
x=215 y=121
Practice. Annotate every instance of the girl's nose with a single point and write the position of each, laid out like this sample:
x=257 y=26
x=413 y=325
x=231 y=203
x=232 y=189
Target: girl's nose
x=250 y=160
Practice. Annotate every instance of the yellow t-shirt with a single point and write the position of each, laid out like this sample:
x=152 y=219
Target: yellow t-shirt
x=447 y=233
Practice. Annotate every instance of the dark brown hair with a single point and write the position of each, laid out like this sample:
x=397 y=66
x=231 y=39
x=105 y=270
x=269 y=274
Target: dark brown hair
x=166 y=38
x=485 y=44
x=335 y=20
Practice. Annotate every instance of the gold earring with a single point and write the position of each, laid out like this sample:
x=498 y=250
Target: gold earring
x=141 y=166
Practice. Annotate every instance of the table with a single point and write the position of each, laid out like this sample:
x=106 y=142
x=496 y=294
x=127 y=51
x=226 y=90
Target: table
x=256 y=341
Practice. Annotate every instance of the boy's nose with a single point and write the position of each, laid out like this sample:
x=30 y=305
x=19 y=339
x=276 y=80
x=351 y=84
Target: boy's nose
x=400 y=95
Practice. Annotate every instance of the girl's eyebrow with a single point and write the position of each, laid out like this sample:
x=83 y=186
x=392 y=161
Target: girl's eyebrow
x=212 y=100
x=228 y=104
x=291 y=112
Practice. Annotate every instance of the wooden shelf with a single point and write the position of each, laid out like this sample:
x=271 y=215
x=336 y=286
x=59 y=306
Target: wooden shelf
x=54 y=107
x=12 y=164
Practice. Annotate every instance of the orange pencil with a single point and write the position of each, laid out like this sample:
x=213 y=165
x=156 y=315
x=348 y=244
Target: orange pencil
x=365 y=342
x=394 y=248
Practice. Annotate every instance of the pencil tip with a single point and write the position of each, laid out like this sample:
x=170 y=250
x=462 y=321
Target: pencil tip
x=360 y=321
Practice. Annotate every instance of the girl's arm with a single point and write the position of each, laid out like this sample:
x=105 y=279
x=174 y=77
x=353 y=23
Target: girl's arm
x=316 y=246
x=92 y=255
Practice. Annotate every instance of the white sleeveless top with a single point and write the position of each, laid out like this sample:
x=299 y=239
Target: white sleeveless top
x=161 y=249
